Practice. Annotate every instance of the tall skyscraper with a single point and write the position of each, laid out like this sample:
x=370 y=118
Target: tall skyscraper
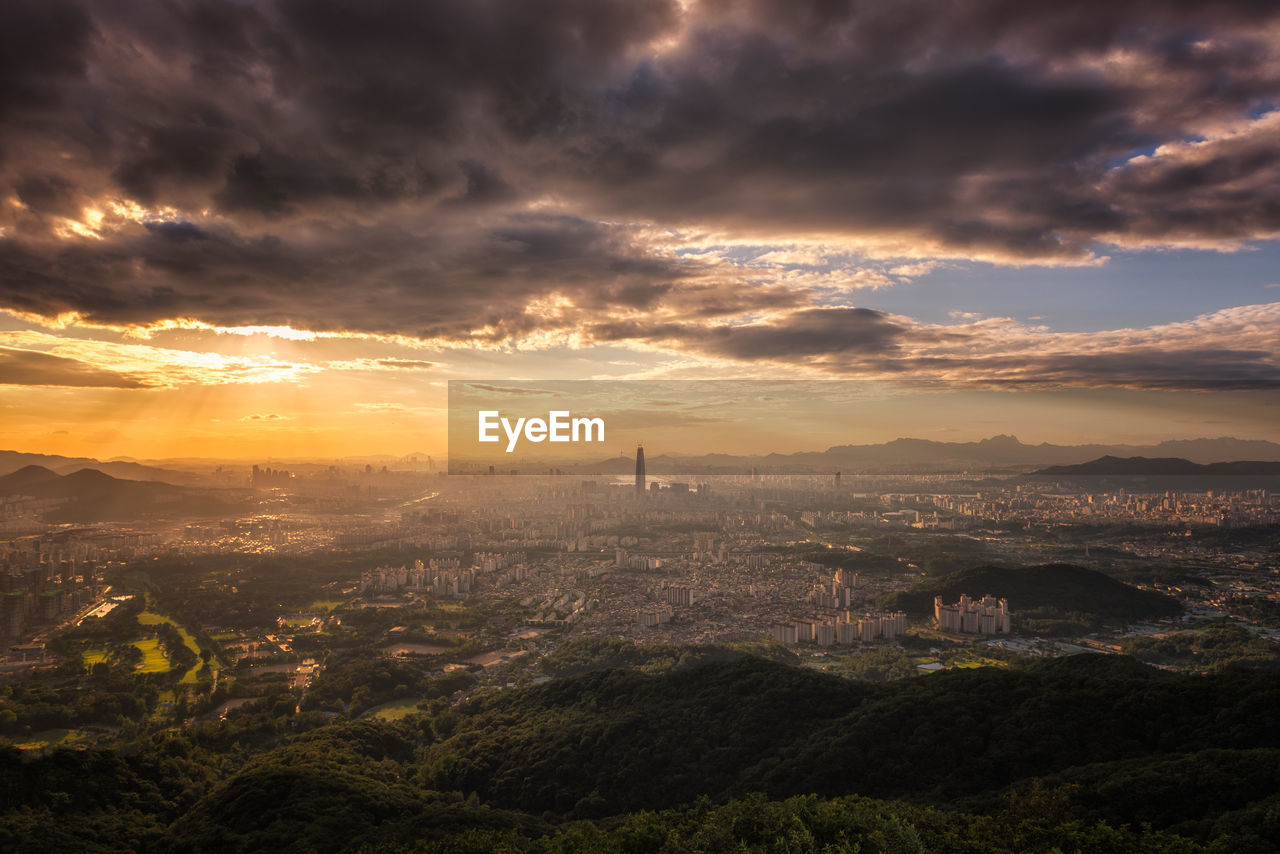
x=640 y=470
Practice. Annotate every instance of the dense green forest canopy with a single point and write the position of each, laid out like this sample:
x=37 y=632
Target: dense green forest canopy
x=724 y=751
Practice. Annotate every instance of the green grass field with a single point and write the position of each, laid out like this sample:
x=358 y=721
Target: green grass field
x=151 y=618
x=973 y=663
x=153 y=658
x=191 y=642
x=970 y=659
x=190 y=678
x=395 y=710
x=325 y=604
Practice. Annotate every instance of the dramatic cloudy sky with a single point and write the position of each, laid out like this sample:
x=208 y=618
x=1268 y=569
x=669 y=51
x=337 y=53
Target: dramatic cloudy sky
x=240 y=228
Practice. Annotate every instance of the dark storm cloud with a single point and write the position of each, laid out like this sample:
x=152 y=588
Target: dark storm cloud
x=1216 y=190
x=972 y=124
x=487 y=169
x=816 y=332
x=379 y=279
x=184 y=153
x=830 y=337
x=47 y=193
x=31 y=367
x=409 y=67
x=899 y=159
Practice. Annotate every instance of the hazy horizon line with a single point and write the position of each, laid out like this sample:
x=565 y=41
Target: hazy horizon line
x=442 y=457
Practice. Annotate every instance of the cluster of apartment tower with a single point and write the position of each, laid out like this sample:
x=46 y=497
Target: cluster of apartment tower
x=445 y=576
x=985 y=616
x=656 y=616
x=876 y=625
x=668 y=595
x=676 y=594
x=440 y=577
x=643 y=563
x=839 y=594
x=39 y=585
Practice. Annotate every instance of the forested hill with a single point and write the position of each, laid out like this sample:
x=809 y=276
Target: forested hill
x=1169 y=762
x=1058 y=586
x=593 y=745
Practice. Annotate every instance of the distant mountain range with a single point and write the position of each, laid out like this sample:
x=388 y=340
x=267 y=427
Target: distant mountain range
x=918 y=455
x=11 y=461
x=88 y=495
x=1161 y=467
